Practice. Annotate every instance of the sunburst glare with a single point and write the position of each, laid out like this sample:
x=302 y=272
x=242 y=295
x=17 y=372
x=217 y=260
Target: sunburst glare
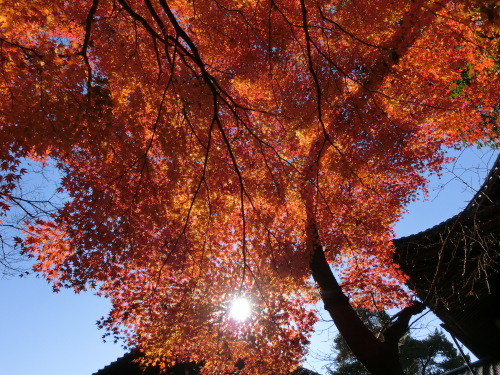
x=240 y=309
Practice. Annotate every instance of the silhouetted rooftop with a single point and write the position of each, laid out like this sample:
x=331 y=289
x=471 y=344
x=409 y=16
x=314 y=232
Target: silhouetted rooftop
x=126 y=365
x=454 y=268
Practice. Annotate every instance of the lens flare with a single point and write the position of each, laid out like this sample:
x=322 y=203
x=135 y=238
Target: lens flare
x=240 y=309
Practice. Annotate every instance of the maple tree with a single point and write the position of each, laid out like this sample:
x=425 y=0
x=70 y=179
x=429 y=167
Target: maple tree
x=216 y=149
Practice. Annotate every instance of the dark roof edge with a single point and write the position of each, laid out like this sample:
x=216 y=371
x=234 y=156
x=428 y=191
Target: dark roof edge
x=124 y=357
x=475 y=365
x=479 y=199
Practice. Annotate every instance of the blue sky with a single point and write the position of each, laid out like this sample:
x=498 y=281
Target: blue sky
x=45 y=333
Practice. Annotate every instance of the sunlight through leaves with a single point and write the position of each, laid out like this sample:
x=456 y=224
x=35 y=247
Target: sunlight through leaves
x=240 y=309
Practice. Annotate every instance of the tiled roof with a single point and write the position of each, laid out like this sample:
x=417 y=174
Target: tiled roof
x=482 y=367
x=126 y=365
x=455 y=268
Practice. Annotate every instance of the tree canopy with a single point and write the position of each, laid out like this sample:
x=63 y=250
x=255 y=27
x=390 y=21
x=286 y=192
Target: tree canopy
x=212 y=149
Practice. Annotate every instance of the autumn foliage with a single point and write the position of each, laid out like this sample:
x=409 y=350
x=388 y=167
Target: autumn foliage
x=199 y=140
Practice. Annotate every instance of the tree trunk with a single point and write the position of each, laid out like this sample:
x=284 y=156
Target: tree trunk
x=379 y=357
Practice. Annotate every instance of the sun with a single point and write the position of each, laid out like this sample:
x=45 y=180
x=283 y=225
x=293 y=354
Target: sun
x=240 y=309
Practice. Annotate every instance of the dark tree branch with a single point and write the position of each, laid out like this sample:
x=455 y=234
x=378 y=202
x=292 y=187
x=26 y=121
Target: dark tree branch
x=400 y=326
x=372 y=353
x=86 y=42
x=379 y=357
